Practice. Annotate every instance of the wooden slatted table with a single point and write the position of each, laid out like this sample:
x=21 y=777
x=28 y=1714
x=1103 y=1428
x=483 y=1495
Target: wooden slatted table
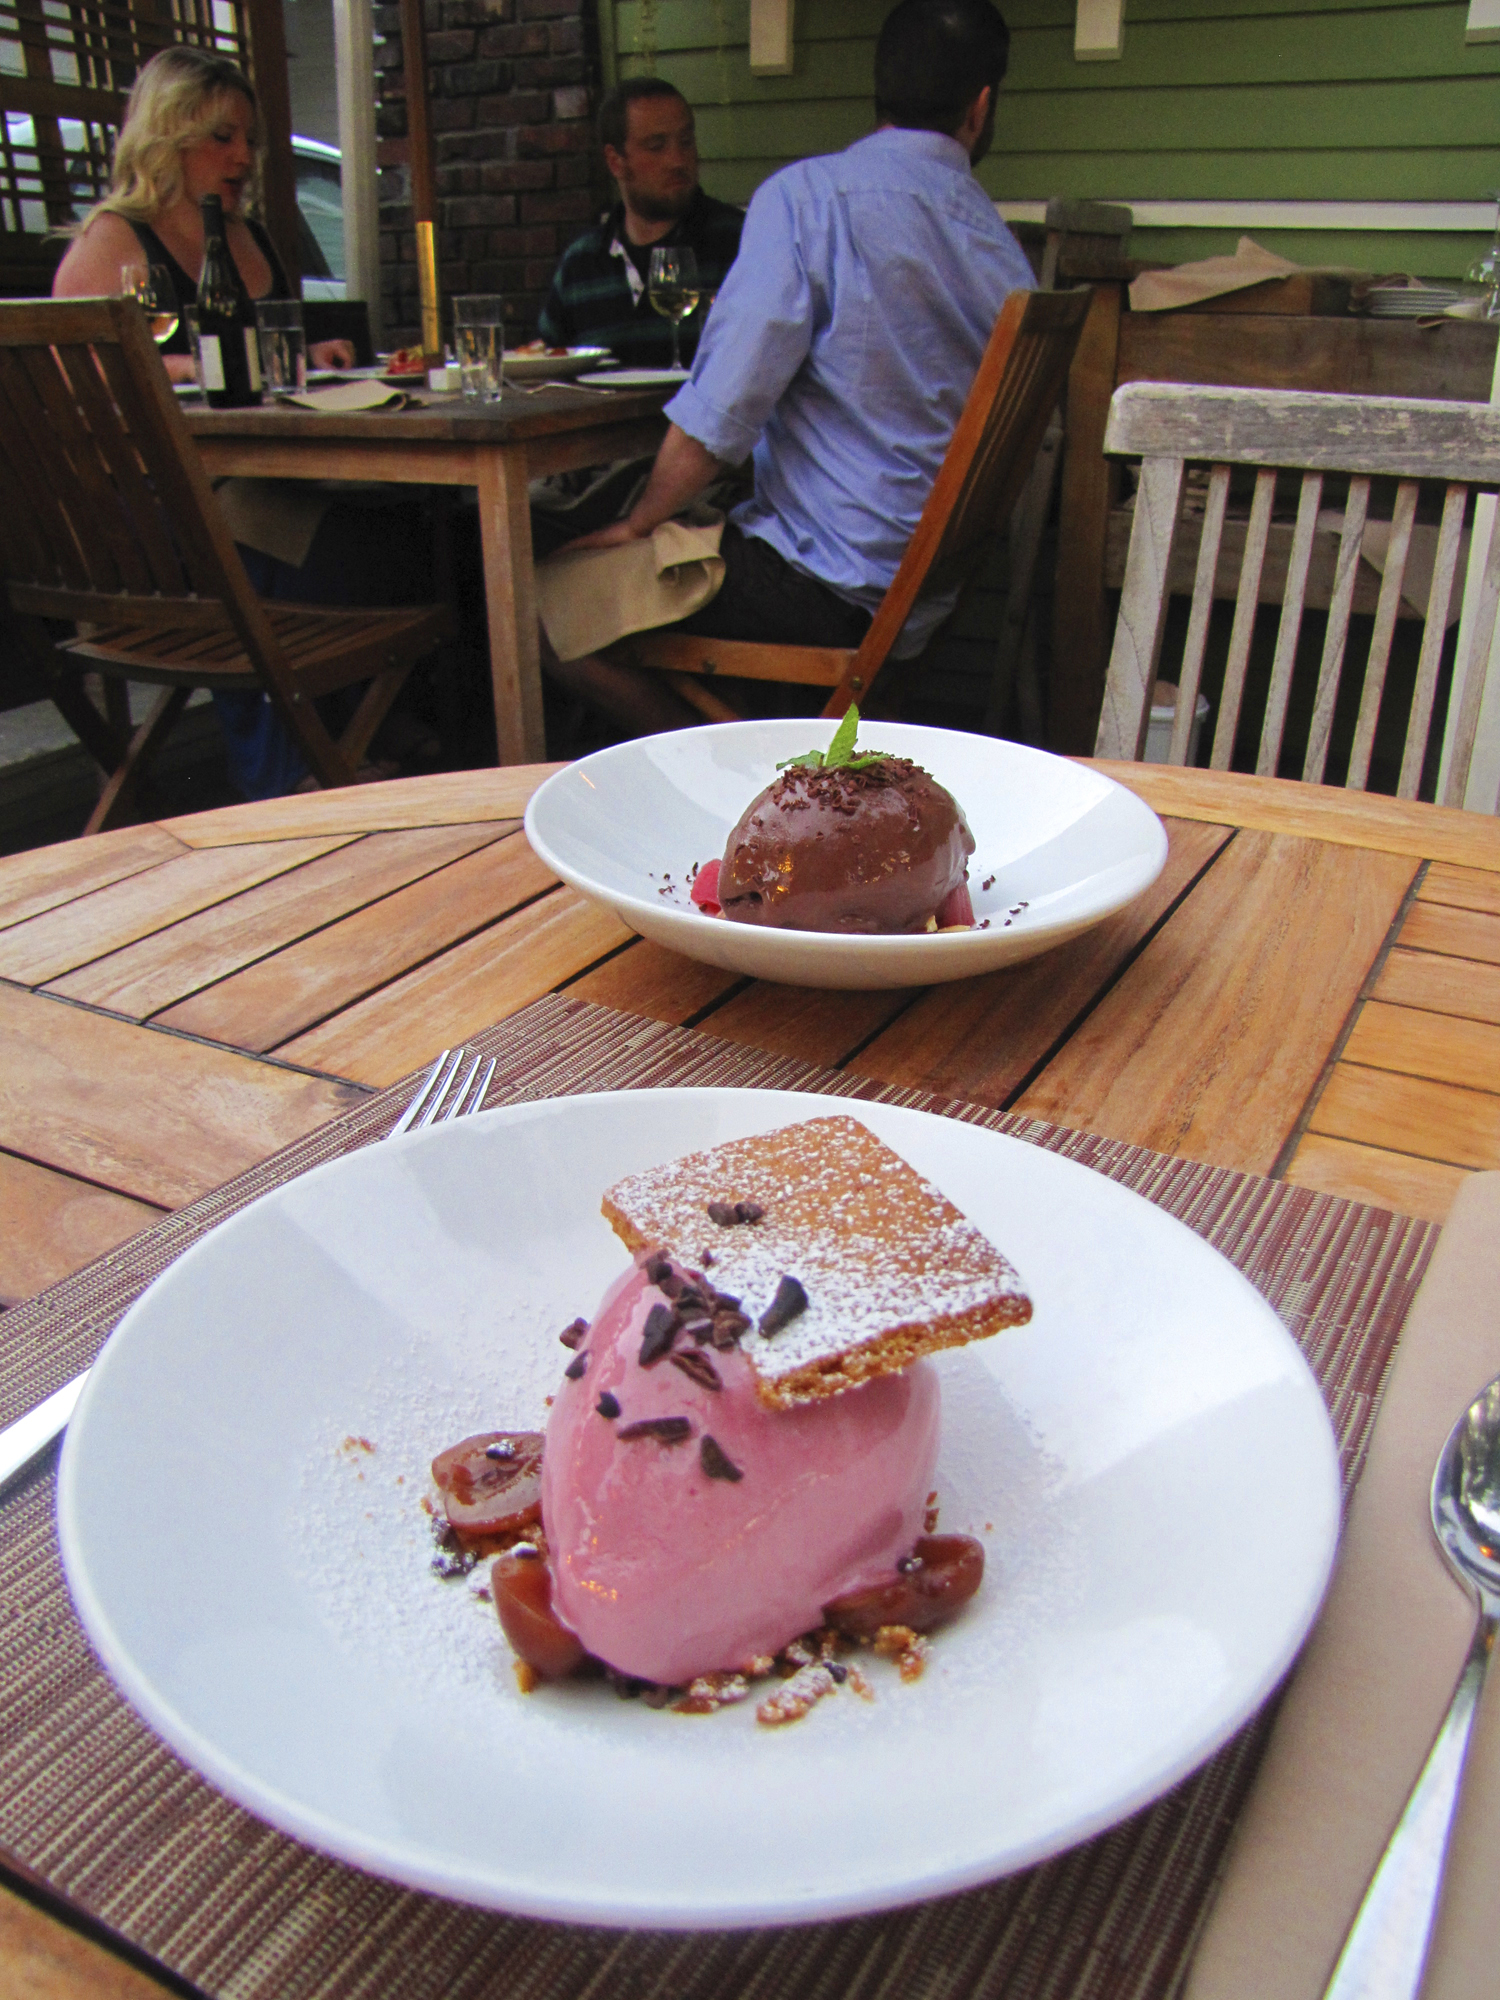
x=439 y=441
x=1311 y=990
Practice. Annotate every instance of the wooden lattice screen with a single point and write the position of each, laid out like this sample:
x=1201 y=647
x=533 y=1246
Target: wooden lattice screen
x=66 y=67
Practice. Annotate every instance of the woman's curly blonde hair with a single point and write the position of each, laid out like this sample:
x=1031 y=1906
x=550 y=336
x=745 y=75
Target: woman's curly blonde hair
x=174 y=102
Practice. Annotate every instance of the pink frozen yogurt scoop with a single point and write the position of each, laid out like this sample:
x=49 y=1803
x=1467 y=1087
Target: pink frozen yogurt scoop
x=691 y=1528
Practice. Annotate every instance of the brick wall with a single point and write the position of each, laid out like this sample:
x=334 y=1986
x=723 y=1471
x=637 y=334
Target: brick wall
x=513 y=85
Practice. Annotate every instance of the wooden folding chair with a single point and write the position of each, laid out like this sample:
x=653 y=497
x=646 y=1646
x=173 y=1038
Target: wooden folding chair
x=108 y=524
x=1015 y=391
x=1453 y=446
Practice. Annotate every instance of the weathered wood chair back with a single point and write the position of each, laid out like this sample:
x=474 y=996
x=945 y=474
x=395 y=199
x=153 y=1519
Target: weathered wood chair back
x=1362 y=438
x=1014 y=393
x=104 y=506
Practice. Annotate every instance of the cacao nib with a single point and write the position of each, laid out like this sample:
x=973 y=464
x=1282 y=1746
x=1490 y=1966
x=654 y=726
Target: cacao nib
x=576 y=1367
x=698 y=1368
x=658 y=1267
x=608 y=1405
x=660 y=1332
x=715 y=1464
x=728 y=1326
x=730 y=1214
x=700 y=1327
x=666 y=1430
x=790 y=1300
x=572 y=1334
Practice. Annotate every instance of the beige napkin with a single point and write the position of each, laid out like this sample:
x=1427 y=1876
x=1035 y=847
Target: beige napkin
x=1421 y=559
x=277 y=516
x=589 y=600
x=1375 y=1680
x=1188 y=284
x=341 y=397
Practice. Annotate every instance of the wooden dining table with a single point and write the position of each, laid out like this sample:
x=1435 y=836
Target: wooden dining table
x=495 y=448
x=1310 y=991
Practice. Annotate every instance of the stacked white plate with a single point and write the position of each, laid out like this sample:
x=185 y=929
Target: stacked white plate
x=1410 y=301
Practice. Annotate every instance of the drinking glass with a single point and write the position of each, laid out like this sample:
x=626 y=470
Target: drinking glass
x=673 y=289
x=479 y=340
x=1485 y=270
x=150 y=285
x=283 y=345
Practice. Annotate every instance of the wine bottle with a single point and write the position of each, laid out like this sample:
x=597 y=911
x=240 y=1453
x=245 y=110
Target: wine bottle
x=228 y=356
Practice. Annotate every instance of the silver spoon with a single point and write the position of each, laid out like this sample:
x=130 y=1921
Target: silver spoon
x=1386 y=1949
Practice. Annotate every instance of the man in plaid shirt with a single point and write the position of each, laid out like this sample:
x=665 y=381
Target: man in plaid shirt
x=598 y=293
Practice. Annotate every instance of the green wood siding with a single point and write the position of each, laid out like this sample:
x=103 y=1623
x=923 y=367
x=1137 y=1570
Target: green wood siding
x=1310 y=100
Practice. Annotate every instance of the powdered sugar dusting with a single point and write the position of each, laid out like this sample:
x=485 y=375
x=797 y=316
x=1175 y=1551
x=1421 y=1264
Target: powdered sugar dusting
x=890 y=1267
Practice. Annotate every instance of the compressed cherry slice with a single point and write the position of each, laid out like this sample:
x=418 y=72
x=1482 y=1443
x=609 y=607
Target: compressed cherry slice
x=492 y=1483
x=956 y=908
x=944 y=1573
x=523 y=1597
x=705 y=889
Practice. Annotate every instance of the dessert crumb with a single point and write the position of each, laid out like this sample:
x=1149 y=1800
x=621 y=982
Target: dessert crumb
x=352 y=1444
x=527 y=1677
x=795 y=1697
x=707 y=1692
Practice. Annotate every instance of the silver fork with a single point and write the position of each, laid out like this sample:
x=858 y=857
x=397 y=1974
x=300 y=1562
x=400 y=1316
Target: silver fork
x=435 y=1103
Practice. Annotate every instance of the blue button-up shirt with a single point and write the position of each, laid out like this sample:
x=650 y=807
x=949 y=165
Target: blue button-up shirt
x=841 y=350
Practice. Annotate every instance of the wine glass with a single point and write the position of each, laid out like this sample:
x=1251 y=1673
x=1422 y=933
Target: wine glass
x=150 y=285
x=673 y=289
x=1485 y=270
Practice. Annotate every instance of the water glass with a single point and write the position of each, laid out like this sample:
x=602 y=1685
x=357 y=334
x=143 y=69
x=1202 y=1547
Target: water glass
x=283 y=345
x=479 y=342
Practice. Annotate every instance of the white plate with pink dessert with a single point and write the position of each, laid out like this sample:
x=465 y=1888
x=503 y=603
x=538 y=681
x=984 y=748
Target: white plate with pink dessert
x=1148 y=1464
x=1057 y=847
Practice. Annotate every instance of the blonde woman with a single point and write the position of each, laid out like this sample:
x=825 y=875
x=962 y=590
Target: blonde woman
x=190 y=129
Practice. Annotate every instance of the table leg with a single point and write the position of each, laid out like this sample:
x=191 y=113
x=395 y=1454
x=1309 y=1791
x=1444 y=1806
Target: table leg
x=510 y=598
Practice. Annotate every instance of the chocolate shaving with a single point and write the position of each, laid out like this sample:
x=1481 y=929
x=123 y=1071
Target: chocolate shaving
x=728 y=1326
x=658 y=1267
x=608 y=1405
x=790 y=1300
x=728 y=1214
x=698 y=1368
x=715 y=1464
x=571 y=1335
x=668 y=1430
x=576 y=1367
x=660 y=1331
x=700 y=1327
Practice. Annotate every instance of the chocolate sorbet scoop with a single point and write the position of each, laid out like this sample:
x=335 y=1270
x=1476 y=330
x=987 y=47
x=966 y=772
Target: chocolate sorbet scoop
x=869 y=848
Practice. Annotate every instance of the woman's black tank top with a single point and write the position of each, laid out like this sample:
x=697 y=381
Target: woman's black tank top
x=186 y=288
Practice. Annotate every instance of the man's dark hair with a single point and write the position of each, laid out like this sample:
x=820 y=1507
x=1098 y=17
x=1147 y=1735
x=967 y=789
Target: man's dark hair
x=933 y=59
x=614 y=110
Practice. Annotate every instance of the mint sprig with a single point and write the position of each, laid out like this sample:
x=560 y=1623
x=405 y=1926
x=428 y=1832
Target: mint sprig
x=840 y=754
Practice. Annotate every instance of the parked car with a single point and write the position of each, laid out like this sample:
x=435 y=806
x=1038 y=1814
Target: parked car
x=320 y=205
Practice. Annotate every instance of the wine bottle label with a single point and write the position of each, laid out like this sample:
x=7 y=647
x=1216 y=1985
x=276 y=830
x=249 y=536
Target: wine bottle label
x=252 y=358
x=210 y=361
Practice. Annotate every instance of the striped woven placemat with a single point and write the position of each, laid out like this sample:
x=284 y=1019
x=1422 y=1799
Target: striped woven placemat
x=94 y=1806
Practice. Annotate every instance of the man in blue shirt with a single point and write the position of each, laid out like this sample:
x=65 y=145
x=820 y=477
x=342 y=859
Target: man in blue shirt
x=838 y=357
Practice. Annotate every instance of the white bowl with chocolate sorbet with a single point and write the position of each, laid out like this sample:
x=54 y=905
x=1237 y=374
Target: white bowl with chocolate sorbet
x=869 y=848
x=1057 y=847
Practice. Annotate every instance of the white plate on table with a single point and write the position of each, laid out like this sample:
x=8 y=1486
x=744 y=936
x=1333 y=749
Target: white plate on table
x=1058 y=847
x=635 y=378
x=1149 y=1464
x=525 y=365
